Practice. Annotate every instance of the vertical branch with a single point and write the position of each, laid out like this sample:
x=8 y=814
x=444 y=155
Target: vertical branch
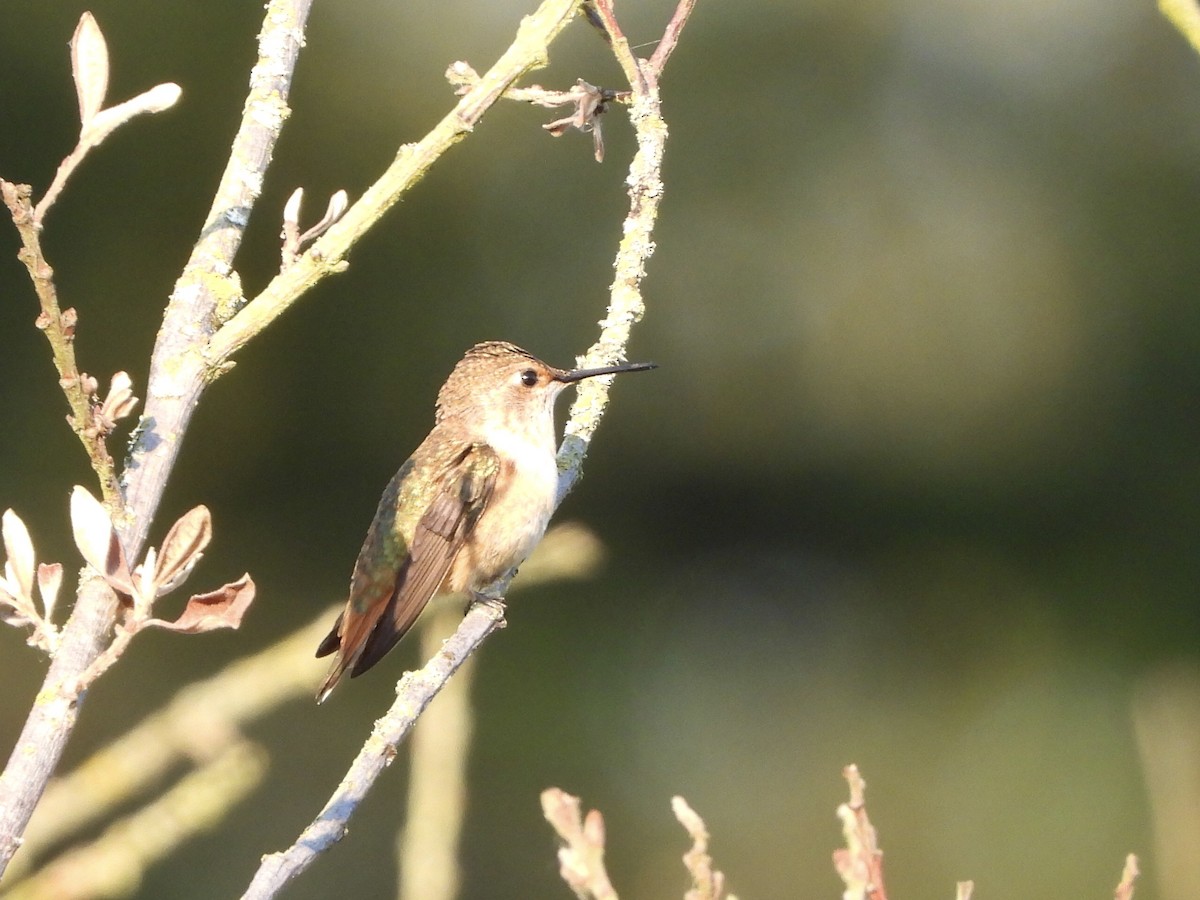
x=59 y=327
x=207 y=292
x=860 y=862
x=626 y=306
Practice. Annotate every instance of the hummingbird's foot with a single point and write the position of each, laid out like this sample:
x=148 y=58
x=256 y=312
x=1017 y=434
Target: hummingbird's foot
x=492 y=601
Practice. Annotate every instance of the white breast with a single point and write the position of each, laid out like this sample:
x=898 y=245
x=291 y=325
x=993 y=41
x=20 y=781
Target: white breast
x=517 y=514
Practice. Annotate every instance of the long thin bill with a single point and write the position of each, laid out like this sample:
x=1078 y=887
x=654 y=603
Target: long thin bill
x=580 y=374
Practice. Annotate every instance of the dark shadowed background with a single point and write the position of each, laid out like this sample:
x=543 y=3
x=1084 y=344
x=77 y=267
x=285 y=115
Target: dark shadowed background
x=915 y=485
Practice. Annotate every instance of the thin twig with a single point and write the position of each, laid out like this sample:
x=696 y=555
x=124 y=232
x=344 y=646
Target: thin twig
x=707 y=883
x=327 y=255
x=620 y=46
x=59 y=327
x=1129 y=876
x=860 y=862
x=670 y=38
x=581 y=856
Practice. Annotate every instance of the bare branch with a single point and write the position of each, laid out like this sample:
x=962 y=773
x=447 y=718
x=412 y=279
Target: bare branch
x=178 y=376
x=1129 y=875
x=581 y=858
x=415 y=691
x=59 y=328
x=670 y=38
x=707 y=882
x=327 y=255
x=860 y=862
x=601 y=12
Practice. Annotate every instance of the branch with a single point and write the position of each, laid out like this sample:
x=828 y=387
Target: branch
x=581 y=857
x=1129 y=876
x=626 y=306
x=208 y=291
x=707 y=882
x=177 y=378
x=59 y=327
x=327 y=255
x=414 y=692
x=860 y=862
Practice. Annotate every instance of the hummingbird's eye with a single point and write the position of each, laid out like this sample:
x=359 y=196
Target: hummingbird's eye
x=529 y=378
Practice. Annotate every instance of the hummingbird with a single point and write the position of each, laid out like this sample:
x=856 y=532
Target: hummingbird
x=469 y=505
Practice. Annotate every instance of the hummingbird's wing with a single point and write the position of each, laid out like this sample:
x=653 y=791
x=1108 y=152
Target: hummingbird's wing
x=394 y=580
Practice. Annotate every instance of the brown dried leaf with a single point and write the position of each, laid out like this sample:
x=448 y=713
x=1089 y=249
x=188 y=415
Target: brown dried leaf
x=18 y=550
x=97 y=540
x=182 y=548
x=89 y=68
x=222 y=608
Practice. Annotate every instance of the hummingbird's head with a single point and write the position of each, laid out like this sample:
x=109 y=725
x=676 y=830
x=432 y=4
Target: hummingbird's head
x=497 y=378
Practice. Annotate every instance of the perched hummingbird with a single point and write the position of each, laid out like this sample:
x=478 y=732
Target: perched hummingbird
x=469 y=505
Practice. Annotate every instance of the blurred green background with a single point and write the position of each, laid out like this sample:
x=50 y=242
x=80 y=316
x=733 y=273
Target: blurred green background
x=915 y=486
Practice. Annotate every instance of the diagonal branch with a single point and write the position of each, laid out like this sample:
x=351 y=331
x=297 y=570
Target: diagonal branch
x=327 y=255
x=415 y=691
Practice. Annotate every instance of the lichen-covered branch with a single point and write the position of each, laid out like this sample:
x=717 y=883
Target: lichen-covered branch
x=625 y=306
